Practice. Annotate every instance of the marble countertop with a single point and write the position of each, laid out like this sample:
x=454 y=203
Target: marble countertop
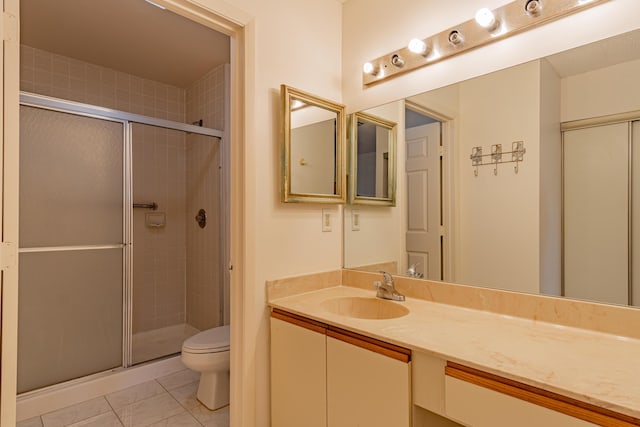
x=593 y=367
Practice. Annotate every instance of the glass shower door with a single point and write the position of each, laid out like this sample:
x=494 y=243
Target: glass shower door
x=71 y=247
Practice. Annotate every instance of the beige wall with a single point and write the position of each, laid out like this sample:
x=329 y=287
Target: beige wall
x=494 y=209
x=550 y=182
x=609 y=90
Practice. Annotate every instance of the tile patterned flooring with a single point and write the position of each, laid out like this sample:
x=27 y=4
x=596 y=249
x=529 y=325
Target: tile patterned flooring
x=167 y=401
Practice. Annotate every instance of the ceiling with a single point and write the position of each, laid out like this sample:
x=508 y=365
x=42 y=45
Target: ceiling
x=131 y=36
x=601 y=54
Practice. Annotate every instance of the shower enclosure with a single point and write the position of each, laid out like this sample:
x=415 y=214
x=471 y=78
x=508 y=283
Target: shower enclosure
x=121 y=239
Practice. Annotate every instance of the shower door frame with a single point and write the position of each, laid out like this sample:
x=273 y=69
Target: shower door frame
x=127 y=120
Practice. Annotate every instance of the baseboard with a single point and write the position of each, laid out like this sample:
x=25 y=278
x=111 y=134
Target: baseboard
x=60 y=396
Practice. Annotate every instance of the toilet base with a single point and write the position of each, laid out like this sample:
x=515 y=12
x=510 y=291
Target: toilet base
x=213 y=391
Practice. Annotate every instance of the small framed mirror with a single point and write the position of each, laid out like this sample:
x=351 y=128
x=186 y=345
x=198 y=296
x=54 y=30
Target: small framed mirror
x=373 y=161
x=314 y=149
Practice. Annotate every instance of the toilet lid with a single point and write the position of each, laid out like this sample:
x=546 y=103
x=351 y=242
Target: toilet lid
x=210 y=340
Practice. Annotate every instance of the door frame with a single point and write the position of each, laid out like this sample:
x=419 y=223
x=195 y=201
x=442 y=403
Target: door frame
x=222 y=17
x=9 y=156
x=448 y=170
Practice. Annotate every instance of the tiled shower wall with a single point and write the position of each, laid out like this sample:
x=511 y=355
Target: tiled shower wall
x=205 y=100
x=159 y=253
x=54 y=75
x=175 y=267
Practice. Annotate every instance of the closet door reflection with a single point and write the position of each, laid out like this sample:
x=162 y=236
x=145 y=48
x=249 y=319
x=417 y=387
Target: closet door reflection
x=71 y=251
x=596 y=213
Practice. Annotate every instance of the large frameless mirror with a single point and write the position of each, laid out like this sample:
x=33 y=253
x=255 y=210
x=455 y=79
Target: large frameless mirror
x=373 y=172
x=313 y=151
x=560 y=220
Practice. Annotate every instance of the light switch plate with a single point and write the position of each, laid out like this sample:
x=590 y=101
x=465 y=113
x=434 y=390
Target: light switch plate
x=355 y=220
x=326 y=220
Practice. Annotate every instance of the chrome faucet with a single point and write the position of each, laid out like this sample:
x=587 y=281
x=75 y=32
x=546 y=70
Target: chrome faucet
x=412 y=271
x=387 y=289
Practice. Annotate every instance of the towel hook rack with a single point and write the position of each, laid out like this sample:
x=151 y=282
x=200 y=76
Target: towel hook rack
x=517 y=156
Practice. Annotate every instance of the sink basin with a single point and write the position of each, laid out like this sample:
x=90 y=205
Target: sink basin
x=365 y=308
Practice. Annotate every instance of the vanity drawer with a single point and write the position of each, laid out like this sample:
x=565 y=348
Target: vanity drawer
x=480 y=399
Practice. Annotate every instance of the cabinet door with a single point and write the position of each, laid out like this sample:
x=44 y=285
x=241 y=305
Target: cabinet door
x=480 y=399
x=366 y=388
x=298 y=375
x=480 y=407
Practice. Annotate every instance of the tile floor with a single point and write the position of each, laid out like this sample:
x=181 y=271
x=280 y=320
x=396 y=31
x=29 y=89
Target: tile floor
x=167 y=401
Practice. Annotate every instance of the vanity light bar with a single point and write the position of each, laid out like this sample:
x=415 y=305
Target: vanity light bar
x=489 y=26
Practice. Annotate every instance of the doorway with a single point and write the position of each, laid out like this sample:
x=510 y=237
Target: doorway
x=168 y=292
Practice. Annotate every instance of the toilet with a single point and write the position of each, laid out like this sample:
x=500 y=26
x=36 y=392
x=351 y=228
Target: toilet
x=207 y=352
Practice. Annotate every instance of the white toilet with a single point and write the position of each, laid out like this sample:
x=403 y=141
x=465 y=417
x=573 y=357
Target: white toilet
x=208 y=353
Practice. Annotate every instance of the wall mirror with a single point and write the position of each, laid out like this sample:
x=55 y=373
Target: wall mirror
x=313 y=149
x=524 y=228
x=372 y=162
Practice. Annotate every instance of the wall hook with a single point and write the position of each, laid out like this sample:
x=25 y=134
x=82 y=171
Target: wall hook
x=517 y=156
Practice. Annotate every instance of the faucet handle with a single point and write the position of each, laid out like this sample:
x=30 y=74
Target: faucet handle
x=388 y=278
x=377 y=284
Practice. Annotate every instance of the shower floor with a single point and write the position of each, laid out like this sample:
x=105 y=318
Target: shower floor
x=149 y=345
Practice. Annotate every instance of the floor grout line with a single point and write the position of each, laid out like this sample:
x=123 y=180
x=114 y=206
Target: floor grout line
x=113 y=410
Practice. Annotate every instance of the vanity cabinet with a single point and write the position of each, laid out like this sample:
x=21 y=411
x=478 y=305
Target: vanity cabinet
x=329 y=377
x=479 y=399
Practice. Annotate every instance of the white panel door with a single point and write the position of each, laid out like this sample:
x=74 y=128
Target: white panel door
x=596 y=213
x=423 y=199
x=635 y=216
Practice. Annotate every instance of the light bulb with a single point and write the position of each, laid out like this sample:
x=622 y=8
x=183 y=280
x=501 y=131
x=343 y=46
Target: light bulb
x=485 y=18
x=417 y=46
x=368 y=68
x=296 y=104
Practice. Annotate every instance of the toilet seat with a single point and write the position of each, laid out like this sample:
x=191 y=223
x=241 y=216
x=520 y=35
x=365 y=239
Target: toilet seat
x=212 y=340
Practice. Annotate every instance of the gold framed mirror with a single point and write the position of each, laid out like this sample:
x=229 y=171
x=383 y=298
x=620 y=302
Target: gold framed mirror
x=373 y=160
x=313 y=149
